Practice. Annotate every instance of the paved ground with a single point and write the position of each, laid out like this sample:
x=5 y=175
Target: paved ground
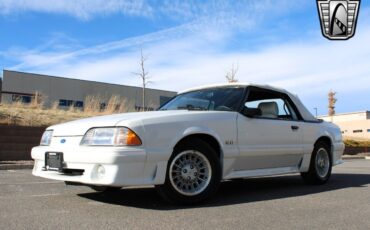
x=27 y=202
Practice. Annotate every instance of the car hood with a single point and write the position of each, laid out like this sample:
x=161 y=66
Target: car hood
x=80 y=127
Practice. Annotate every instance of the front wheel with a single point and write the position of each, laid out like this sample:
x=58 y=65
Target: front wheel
x=193 y=174
x=320 y=165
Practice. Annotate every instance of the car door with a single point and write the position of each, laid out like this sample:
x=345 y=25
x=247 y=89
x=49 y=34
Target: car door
x=273 y=138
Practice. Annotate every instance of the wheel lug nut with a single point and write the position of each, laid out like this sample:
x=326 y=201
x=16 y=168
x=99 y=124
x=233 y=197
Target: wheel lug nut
x=191 y=167
x=195 y=174
x=184 y=171
x=189 y=178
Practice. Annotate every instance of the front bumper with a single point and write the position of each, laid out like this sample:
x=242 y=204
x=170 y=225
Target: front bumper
x=338 y=149
x=122 y=166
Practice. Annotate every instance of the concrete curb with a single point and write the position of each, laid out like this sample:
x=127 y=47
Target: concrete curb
x=353 y=158
x=349 y=157
x=13 y=165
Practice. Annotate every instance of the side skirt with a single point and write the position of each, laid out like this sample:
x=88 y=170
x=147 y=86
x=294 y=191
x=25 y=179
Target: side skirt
x=261 y=172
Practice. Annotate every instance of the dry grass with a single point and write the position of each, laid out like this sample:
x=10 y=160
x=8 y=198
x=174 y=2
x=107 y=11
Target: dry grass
x=356 y=143
x=35 y=113
x=92 y=104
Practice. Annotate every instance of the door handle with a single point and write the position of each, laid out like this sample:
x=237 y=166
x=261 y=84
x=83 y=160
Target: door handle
x=294 y=127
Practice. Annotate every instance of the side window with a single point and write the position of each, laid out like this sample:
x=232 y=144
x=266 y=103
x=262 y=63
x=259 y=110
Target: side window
x=272 y=104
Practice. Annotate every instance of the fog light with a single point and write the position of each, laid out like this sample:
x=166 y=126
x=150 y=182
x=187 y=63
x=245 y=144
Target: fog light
x=100 y=171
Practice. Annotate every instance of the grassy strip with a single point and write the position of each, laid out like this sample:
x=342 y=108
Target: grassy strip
x=11 y=115
x=357 y=143
x=35 y=114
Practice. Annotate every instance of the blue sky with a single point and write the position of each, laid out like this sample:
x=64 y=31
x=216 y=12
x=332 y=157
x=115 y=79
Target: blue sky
x=190 y=43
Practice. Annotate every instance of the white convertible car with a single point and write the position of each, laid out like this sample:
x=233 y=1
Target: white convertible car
x=193 y=142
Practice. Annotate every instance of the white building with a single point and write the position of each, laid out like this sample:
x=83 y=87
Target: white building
x=353 y=125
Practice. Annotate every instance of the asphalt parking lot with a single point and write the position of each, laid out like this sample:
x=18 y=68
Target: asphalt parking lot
x=284 y=202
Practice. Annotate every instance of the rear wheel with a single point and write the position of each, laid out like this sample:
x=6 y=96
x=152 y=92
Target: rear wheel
x=193 y=174
x=320 y=165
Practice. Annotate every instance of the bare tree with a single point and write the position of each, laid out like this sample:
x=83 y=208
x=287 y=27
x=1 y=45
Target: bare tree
x=230 y=75
x=143 y=74
x=332 y=101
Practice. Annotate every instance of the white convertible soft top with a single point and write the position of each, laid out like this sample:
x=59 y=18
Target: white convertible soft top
x=307 y=116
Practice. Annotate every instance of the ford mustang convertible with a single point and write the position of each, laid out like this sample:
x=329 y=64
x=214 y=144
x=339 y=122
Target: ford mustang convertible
x=193 y=142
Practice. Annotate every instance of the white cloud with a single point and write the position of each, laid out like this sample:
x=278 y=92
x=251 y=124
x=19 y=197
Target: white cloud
x=211 y=21
x=82 y=9
x=193 y=54
x=317 y=64
x=309 y=69
x=217 y=11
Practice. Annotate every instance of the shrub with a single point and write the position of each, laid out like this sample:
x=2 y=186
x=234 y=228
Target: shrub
x=356 y=143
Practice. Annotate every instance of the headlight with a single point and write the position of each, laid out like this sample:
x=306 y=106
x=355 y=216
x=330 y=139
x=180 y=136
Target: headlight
x=46 y=137
x=119 y=136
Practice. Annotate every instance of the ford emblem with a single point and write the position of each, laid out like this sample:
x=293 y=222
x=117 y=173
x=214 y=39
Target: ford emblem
x=63 y=141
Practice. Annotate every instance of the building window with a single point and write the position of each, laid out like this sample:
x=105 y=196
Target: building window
x=103 y=106
x=368 y=130
x=140 y=108
x=357 y=131
x=26 y=99
x=64 y=102
x=79 y=104
x=21 y=98
x=68 y=103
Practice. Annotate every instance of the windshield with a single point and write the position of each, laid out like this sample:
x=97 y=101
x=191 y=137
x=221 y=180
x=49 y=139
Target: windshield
x=220 y=99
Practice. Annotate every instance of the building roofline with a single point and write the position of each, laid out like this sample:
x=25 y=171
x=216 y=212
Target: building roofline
x=347 y=113
x=75 y=79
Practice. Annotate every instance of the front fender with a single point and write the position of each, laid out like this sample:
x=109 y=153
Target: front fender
x=197 y=130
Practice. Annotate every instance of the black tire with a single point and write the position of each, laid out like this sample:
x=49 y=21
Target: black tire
x=315 y=175
x=104 y=188
x=171 y=193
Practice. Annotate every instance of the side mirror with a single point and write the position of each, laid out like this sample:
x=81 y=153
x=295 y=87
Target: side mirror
x=251 y=112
